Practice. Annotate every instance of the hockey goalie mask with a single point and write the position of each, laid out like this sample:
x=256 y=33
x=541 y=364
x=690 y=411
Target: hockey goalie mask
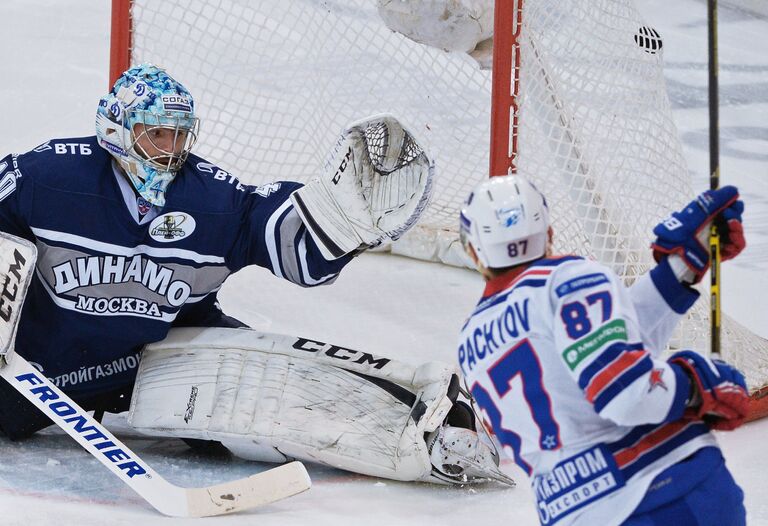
x=505 y=220
x=148 y=124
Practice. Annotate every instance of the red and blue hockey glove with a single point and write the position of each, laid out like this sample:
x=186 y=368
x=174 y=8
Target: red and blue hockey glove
x=686 y=233
x=719 y=395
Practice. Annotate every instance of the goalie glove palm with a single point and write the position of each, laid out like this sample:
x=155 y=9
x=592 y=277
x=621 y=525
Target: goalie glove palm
x=685 y=234
x=375 y=185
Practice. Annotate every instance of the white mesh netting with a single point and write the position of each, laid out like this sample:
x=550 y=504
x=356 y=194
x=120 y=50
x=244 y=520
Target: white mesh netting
x=596 y=134
x=275 y=82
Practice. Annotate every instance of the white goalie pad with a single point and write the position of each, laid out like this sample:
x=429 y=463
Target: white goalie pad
x=271 y=397
x=374 y=186
x=17 y=264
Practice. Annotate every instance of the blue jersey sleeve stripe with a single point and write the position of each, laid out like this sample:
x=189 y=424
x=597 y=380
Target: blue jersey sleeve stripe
x=618 y=385
x=600 y=363
x=603 y=360
x=533 y=283
x=490 y=301
x=650 y=456
x=553 y=262
x=633 y=437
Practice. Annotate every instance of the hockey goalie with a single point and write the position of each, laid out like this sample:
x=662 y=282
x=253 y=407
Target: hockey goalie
x=136 y=235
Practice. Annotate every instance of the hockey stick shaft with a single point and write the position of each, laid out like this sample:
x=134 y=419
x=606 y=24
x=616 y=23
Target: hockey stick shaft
x=714 y=175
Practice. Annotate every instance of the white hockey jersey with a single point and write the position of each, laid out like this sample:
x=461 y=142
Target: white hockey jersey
x=562 y=360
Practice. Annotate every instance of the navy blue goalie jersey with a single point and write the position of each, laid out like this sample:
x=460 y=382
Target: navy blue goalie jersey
x=113 y=274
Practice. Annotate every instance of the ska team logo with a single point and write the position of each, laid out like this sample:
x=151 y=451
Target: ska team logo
x=173 y=226
x=509 y=216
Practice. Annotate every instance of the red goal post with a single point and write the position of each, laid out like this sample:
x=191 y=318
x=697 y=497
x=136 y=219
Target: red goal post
x=506 y=86
x=120 y=40
x=579 y=105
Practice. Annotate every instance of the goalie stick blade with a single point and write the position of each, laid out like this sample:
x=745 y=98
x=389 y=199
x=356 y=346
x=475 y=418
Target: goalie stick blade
x=257 y=490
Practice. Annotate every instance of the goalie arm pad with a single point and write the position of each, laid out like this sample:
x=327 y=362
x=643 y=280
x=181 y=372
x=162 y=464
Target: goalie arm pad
x=374 y=186
x=271 y=397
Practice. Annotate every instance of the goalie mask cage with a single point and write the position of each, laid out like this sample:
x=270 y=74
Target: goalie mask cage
x=579 y=106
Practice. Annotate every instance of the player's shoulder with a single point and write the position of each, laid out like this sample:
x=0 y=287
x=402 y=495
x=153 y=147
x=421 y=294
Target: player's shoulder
x=533 y=278
x=552 y=263
x=572 y=273
x=535 y=274
x=68 y=160
x=72 y=149
x=210 y=187
x=544 y=271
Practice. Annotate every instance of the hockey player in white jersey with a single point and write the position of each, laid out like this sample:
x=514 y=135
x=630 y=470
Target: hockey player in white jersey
x=564 y=363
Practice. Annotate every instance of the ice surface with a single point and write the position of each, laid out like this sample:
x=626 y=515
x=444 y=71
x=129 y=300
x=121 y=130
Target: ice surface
x=53 y=69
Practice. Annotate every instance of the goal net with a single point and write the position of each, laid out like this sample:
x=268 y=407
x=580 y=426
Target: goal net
x=580 y=107
x=582 y=110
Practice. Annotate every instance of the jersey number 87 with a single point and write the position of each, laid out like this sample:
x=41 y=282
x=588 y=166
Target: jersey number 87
x=520 y=360
x=576 y=318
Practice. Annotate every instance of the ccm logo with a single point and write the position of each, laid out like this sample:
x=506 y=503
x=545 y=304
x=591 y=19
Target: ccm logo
x=342 y=167
x=340 y=353
x=11 y=287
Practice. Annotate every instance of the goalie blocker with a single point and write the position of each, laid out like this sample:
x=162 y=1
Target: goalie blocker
x=273 y=398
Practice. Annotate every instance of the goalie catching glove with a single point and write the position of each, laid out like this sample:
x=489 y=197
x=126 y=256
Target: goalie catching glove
x=375 y=185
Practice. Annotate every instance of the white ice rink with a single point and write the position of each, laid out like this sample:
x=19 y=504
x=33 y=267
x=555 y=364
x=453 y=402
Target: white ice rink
x=53 y=69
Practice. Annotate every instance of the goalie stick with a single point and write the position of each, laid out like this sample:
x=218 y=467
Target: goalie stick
x=18 y=258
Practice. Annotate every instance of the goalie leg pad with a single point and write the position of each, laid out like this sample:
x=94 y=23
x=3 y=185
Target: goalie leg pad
x=266 y=403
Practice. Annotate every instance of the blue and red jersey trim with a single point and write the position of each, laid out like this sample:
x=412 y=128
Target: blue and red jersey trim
x=513 y=277
x=644 y=445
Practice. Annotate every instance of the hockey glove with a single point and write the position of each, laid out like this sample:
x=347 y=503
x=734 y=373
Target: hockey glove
x=685 y=235
x=719 y=394
x=374 y=186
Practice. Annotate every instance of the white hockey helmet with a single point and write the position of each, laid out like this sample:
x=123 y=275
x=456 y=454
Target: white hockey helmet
x=505 y=220
x=146 y=95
